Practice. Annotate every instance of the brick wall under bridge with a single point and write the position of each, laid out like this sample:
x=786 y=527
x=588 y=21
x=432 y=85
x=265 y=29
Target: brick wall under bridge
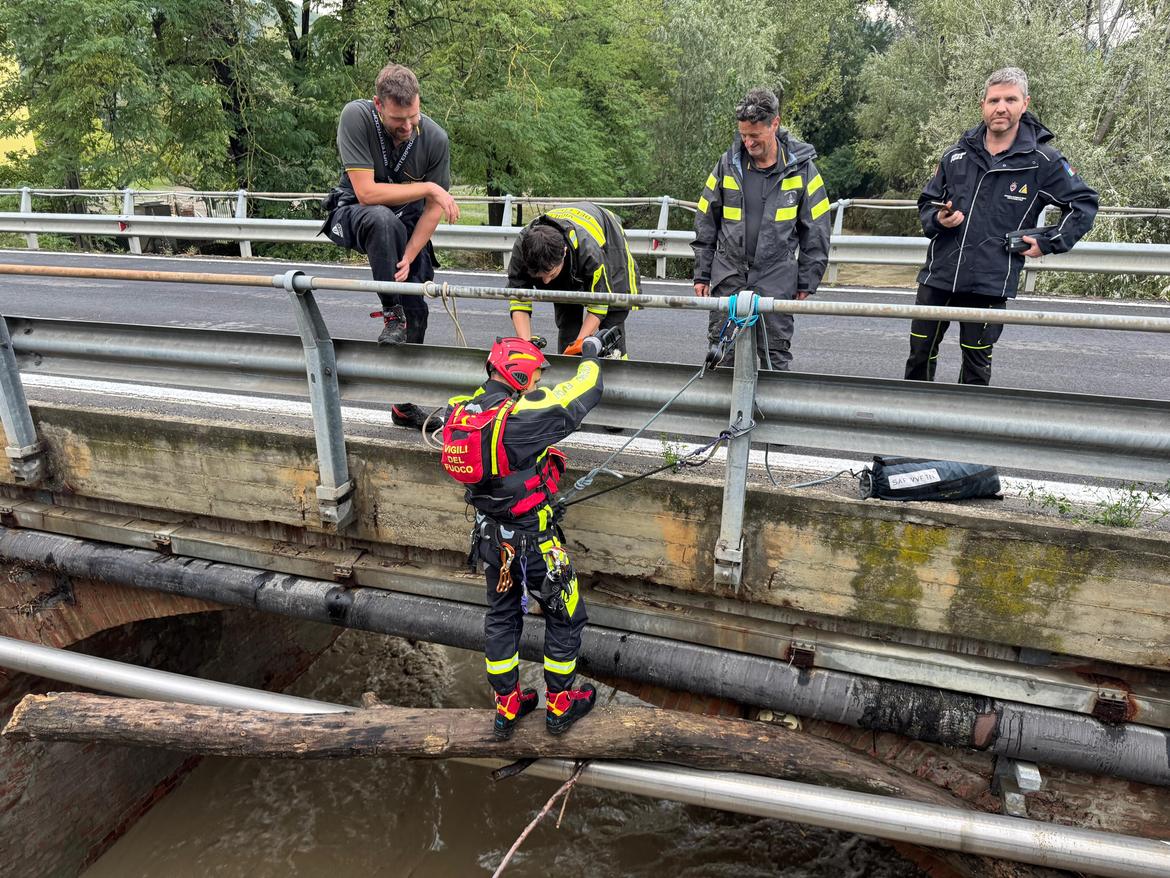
x=62 y=805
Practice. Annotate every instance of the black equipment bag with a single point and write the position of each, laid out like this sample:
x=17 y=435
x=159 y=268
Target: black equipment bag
x=912 y=478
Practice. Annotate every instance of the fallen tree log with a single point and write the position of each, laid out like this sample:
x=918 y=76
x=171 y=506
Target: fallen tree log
x=646 y=734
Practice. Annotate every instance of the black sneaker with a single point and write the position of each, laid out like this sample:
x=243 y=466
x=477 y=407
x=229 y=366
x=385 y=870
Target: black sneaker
x=394 y=332
x=510 y=709
x=406 y=414
x=562 y=709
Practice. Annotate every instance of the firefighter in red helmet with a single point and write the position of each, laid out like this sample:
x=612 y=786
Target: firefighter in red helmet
x=498 y=442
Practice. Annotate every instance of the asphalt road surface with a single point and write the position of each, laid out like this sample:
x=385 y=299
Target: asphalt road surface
x=1110 y=363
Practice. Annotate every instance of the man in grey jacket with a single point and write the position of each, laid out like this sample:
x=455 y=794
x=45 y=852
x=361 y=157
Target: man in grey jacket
x=762 y=223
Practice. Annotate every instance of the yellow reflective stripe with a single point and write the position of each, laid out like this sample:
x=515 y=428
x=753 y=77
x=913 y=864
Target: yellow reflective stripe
x=564 y=393
x=598 y=310
x=496 y=425
x=573 y=238
x=916 y=335
x=815 y=183
x=975 y=347
x=703 y=205
x=601 y=274
x=785 y=213
x=712 y=182
x=502 y=666
x=732 y=213
x=819 y=208
x=542 y=517
x=560 y=667
x=793 y=183
x=581 y=218
x=571 y=597
x=517 y=305
x=631 y=271
x=729 y=182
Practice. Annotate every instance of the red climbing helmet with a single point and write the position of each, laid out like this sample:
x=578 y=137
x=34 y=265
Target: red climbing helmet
x=516 y=360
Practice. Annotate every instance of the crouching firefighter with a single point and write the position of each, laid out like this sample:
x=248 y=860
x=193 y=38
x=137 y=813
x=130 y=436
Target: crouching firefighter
x=498 y=441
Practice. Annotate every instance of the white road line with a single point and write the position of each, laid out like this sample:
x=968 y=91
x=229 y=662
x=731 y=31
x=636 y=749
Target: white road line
x=793 y=467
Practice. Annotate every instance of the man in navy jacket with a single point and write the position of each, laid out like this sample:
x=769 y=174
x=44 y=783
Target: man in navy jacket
x=996 y=179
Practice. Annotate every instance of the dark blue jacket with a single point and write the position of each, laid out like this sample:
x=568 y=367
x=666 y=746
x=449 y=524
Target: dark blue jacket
x=998 y=194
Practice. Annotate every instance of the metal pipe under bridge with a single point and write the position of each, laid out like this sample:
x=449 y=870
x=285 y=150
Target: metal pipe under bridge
x=1026 y=841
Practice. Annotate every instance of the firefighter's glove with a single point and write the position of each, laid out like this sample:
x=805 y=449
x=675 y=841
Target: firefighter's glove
x=539 y=341
x=575 y=348
x=590 y=348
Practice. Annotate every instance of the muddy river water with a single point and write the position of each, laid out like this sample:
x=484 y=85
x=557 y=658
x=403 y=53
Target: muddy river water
x=396 y=817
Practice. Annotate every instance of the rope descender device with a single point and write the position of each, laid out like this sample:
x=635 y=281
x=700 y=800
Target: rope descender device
x=726 y=341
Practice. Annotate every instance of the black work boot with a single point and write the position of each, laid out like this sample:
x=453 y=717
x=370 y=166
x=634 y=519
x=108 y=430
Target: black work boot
x=562 y=709
x=407 y=414
x=510 y=709
x=394 y=332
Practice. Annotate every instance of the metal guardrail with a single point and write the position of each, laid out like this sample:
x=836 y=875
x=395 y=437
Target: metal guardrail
x=1101 y=437
x=661 y=243
x=1111 y=211
x=1075 y=434
x=499 y=239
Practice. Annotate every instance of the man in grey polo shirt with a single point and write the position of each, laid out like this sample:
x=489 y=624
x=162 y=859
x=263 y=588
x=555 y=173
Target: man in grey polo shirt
x=396 y=170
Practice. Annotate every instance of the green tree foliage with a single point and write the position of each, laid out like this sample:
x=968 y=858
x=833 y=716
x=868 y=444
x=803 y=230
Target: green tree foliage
x=1098 y=78
x=546 y=97
x=538 y=97
x=591 y=98
x=827 y=118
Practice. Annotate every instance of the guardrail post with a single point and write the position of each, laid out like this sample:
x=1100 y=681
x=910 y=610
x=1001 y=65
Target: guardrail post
x=506 y=221
x=663 y=225
x=31 y=240
x=729 y=547
x=242 y=213
x=25 y=453
x=128 y=210
x=335 y=493
x=838 y=230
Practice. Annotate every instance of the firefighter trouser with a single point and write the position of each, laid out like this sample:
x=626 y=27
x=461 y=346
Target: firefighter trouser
x=975 y=339
x=569 y=318
x=381 y=234
x=773 y=340
x=505 y=618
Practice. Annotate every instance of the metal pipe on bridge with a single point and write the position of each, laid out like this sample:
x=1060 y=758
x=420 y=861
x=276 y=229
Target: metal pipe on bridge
x=305 y=282
x=1012 y=729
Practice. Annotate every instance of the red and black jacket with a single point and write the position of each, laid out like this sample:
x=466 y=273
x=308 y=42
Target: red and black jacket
x=522 y=469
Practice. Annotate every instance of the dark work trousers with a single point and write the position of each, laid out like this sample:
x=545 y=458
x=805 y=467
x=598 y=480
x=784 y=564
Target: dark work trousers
x=975 y=339
x=772 y=351
x=569 y=318
x=381 y=234
x=505 y=620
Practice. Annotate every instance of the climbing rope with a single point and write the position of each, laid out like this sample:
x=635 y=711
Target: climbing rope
x=587 y=480
x=677 y=466
x=450 y=305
